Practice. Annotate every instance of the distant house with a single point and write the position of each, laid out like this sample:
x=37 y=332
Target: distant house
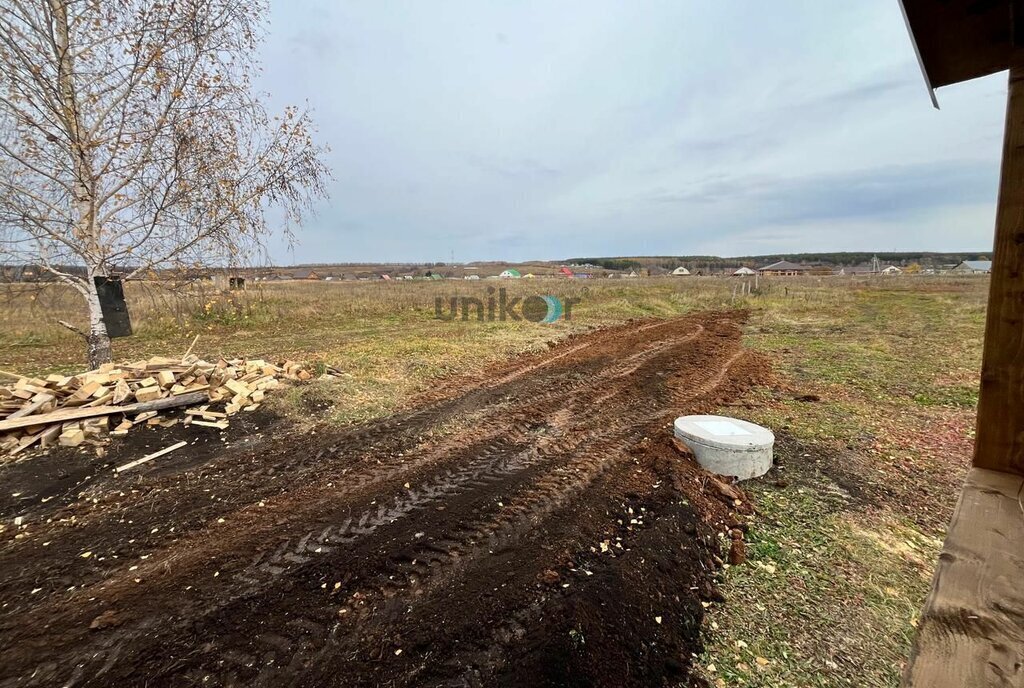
x=783 y=268
x=892 y=270
x=226 y=282
x=680 y=271
x=974 y=267
x=855 y=270
x=744 y=272
x=304 y=274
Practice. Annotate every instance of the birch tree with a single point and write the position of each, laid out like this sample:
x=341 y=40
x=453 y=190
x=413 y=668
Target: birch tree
x=131 y=140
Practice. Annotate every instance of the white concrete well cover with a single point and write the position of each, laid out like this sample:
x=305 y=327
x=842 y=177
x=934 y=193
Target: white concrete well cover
x=727 y=446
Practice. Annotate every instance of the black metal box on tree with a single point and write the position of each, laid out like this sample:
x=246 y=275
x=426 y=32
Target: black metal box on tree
x=113 y=306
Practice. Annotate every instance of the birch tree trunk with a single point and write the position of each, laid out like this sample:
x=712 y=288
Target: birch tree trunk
x=83 y=184
x=97 y=340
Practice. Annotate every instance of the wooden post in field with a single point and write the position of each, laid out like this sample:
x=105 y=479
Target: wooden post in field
x=999 y=443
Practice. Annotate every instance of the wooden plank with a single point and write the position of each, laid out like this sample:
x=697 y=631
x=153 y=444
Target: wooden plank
x=67 y=414
x=203 y=412
x=999 y=444
x=971 y=631
x=220 y=424
x=149 y=457
x=38 y=401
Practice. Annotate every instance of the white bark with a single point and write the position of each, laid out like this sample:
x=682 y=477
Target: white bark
x=97 y=340
x=83 y=182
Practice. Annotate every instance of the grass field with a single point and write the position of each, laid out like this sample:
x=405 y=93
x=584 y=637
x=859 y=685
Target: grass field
x=872 y=402
x=385 y=336
x=842 y=549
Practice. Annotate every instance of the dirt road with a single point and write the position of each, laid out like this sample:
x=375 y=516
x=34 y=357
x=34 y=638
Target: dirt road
x=533 y=526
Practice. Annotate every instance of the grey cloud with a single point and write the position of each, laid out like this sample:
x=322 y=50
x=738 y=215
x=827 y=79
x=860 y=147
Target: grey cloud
x=543 y=130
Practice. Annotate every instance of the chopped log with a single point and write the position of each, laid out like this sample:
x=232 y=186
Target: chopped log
x=148 y=393
x=121 y=392
x=239 y=388
x=85 y=391
x=72 y=437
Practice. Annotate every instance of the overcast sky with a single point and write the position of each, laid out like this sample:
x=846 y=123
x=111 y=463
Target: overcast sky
x=517 y=130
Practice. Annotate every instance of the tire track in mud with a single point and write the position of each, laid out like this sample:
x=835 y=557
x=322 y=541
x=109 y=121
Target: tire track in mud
x=369 y=537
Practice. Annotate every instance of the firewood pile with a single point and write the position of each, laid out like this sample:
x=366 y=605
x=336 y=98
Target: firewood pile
x=89 y=408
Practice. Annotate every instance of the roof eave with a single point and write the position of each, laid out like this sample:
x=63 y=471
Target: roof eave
x=920 y=61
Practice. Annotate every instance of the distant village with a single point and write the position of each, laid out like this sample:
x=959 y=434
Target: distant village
x=234 y=277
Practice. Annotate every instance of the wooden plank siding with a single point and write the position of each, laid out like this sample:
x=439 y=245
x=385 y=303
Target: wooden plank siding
x=999 y=443
x=971 y=632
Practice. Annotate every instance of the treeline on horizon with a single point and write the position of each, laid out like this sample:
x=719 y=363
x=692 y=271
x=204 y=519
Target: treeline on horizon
x=841 y=258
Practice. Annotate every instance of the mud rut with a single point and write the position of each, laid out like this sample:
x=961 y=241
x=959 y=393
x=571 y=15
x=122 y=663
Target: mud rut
x=525 y=528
